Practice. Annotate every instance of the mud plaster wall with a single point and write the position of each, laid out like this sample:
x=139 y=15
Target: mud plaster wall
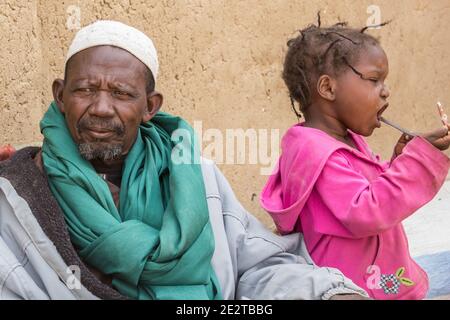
x=221 y=63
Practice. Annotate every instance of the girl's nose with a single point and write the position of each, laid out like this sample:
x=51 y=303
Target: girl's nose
x=385 y=92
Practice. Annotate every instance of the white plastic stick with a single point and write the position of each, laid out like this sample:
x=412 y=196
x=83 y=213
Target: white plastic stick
x=396 y=126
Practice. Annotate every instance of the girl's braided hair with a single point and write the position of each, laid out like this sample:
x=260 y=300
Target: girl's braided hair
x=318 y=50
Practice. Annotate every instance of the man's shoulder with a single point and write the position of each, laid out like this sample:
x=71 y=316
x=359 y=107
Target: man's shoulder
x=22 y=173
x=22 y=158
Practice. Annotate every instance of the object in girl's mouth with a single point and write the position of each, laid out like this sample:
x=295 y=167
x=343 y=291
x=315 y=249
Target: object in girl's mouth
x=396 y=126
x=443 y=116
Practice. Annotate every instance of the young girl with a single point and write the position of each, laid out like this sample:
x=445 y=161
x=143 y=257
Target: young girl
x=329 y=185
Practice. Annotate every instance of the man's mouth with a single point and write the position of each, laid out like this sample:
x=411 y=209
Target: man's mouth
x=99 y=129
x=99 y=133
x=379 y=113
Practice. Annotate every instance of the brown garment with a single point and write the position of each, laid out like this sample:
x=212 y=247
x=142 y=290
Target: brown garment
x=24 y=172
x=115 y=191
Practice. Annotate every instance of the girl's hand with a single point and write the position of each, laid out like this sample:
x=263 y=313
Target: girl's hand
x=401 y=143
x=438 y=138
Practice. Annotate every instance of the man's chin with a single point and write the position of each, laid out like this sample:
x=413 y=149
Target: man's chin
x=100 y=150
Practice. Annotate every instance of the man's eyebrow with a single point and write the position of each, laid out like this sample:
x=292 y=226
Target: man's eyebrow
x=124 y=86
x=114 y=84
x=84 y=80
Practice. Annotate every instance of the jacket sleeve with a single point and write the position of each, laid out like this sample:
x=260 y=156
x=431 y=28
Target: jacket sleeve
x=268 y=266
x=357 y=207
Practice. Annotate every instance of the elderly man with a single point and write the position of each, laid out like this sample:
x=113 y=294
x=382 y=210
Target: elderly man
x=104 y=198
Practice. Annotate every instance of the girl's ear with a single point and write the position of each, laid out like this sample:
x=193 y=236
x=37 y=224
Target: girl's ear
x=58 y=89
x=154 y=103
x=326 y=87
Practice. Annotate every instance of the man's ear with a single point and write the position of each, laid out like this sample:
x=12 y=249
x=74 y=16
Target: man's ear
x=154 y=103
x=58 y=89
x=326 y=87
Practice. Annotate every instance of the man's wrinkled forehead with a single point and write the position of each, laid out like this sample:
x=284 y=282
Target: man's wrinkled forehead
x=119 y=35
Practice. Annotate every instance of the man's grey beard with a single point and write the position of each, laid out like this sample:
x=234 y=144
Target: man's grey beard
x=98 y=150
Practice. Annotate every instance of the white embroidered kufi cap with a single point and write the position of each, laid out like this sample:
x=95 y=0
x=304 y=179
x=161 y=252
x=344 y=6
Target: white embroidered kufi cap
x=118 y=34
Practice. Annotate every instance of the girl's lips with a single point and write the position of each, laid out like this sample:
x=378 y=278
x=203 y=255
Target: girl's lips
x=378 y=123
x=383 y=108
x=379 y=113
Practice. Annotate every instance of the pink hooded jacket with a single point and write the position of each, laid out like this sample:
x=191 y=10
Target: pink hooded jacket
x=349 y=206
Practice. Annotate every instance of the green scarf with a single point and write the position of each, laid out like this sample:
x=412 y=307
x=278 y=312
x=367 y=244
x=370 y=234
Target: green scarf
x=159 y=243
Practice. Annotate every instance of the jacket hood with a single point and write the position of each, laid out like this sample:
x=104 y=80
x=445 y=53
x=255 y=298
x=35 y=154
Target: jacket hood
x=304 y=152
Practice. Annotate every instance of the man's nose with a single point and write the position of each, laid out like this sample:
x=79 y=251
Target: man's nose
x=102 y=104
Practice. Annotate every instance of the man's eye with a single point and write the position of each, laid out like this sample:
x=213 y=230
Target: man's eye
x=121 y=94
x=86 y=90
